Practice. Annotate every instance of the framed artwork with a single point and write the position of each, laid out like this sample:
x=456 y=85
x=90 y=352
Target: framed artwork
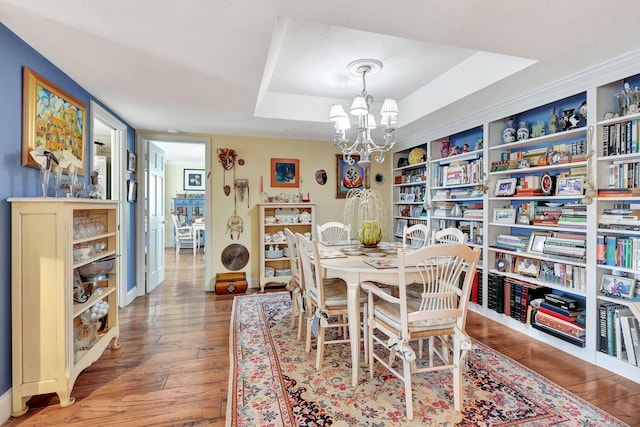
x=131 y=161
x=504 y=215
x=194 y=179
x=616 y=286
x=547 y=183
x=536 y=241
x=132 y=191
x=349 y=177
x=51 y=118
x=569 y=186
x=527 y=266
x=285 y=172
x=506 y=187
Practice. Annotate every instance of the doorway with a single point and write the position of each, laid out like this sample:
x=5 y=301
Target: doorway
x=181 y=153
x=108 y=148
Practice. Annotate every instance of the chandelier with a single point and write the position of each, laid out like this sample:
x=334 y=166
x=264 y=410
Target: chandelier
x=364 y=145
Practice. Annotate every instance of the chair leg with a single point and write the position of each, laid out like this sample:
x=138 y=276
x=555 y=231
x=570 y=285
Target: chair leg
x=408 y=393
x=307 y=345
x=320 y=350
x=457 y=376
x=294 y=310
x=370 y=343
x=365 y=333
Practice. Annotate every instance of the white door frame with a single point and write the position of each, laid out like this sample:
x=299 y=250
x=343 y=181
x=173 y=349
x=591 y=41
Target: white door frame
x=118 y=190
x=141 y=148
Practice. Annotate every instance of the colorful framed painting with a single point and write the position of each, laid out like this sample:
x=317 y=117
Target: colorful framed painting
x=51 y=118
x=285 y=172
x=349 y=177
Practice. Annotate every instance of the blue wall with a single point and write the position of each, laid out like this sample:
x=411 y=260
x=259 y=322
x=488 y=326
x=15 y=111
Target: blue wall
x=20 y=181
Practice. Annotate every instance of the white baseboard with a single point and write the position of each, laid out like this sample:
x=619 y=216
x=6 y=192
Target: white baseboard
x=5 y=406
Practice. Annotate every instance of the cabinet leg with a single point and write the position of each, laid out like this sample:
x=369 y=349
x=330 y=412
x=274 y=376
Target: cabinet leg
x=114 y=344
x=66 y=399
x=19 y=405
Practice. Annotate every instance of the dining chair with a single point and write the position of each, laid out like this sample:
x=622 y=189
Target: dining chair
x=183 y=234
x=326 y=301
x=333 y=231
x=446 y=273
x=448 y=235
x=296 y=284
x=416 y=236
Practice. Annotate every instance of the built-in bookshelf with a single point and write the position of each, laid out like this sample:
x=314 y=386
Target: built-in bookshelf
x=553 y=189
x=409 y=190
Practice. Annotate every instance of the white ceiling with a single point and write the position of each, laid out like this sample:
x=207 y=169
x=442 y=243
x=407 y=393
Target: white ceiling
x=273 y=68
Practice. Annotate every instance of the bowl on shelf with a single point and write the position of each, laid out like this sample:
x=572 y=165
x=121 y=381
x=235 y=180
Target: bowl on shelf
x=283 y=272
x=273 y=253
x=269 y=271
x=97 y=270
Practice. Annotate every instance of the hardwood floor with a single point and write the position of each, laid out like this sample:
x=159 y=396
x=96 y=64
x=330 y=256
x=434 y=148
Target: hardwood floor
x=172 y=368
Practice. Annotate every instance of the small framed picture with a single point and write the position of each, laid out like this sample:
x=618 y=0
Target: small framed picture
x=285 y=172
x=616 y=286
x=402 y=223
x=131 y=161
x=523 y=219
x=506 y=187
x=504 y=215
x=527 y=266
x=411 y=198
x=132 y=191
x=194 y=179
x=536 y=241
x=569 y=186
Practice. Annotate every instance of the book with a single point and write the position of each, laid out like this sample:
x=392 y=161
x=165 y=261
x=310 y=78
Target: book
x=560 y=325
x=556 y=314
x=561 y=301
x=566 y=313
x=628 y=343
x=635 y=335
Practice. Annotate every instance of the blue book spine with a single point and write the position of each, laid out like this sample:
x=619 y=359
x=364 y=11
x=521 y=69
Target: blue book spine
x=610 y=251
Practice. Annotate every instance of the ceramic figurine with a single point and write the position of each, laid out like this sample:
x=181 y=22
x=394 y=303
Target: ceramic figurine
x=465 y=148
x=444 y=151
x=553 y=121
x=453 y=150
x=523 y=130
x=537 y=130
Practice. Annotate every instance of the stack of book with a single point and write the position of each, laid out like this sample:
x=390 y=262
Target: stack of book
x=619 y=332
x=574 y=215
x=516 y=243
x=557 y=315
x=546 y=215
x=619 y=192
x=567 y=246
x=620 y=218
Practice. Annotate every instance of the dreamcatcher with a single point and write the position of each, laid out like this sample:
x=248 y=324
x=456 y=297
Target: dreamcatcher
x=227 y=157
x=235 y=225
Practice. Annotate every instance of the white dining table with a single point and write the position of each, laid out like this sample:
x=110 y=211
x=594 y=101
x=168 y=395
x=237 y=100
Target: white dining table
x=354 y=270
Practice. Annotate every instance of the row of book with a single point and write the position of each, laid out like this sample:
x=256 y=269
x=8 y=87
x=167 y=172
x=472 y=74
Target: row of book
x=620 y=218
x=624 y=174
x=620 y=138
x=458 y=173
x=511 y=296
x=619 y=332
x=560 y=316
x=618 y=251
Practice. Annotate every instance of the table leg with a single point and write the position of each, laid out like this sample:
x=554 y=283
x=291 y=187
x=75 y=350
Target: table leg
x=353 y=312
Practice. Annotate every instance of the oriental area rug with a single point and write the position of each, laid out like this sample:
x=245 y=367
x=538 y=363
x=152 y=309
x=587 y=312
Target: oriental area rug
x=273 y=382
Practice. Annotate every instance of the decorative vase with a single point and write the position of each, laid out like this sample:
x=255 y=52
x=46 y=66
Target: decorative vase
x=509 y=133
x=523 y=130
x=369 y=234
x=569 y=120
x=456 y=211
x=444 y=151
x=45 y=175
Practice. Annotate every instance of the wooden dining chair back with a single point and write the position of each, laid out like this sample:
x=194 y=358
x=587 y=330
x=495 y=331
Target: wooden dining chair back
x=325 y=299
x=183 y=234
x=446 y=274
x=416 y=236
x=296 y=284
x=449 y=235
x=333 y=231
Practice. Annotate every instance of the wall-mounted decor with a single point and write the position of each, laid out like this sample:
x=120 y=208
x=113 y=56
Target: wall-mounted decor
x=131 y=161
x=132 y=191
x=349 y=177
x=194 y=179
x=51 y=118
x=285 y=172
x=321 y=176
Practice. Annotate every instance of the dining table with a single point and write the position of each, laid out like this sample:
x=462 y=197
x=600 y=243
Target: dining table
x=355 y=269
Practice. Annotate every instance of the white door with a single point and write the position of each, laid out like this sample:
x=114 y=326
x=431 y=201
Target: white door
x=155 y=182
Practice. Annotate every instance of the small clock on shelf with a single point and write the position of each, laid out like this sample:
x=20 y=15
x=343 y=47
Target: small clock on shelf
x=547 y=184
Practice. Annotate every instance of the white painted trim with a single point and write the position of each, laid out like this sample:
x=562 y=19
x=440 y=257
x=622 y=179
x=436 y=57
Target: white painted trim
x=5 y=405
x=118 y=154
